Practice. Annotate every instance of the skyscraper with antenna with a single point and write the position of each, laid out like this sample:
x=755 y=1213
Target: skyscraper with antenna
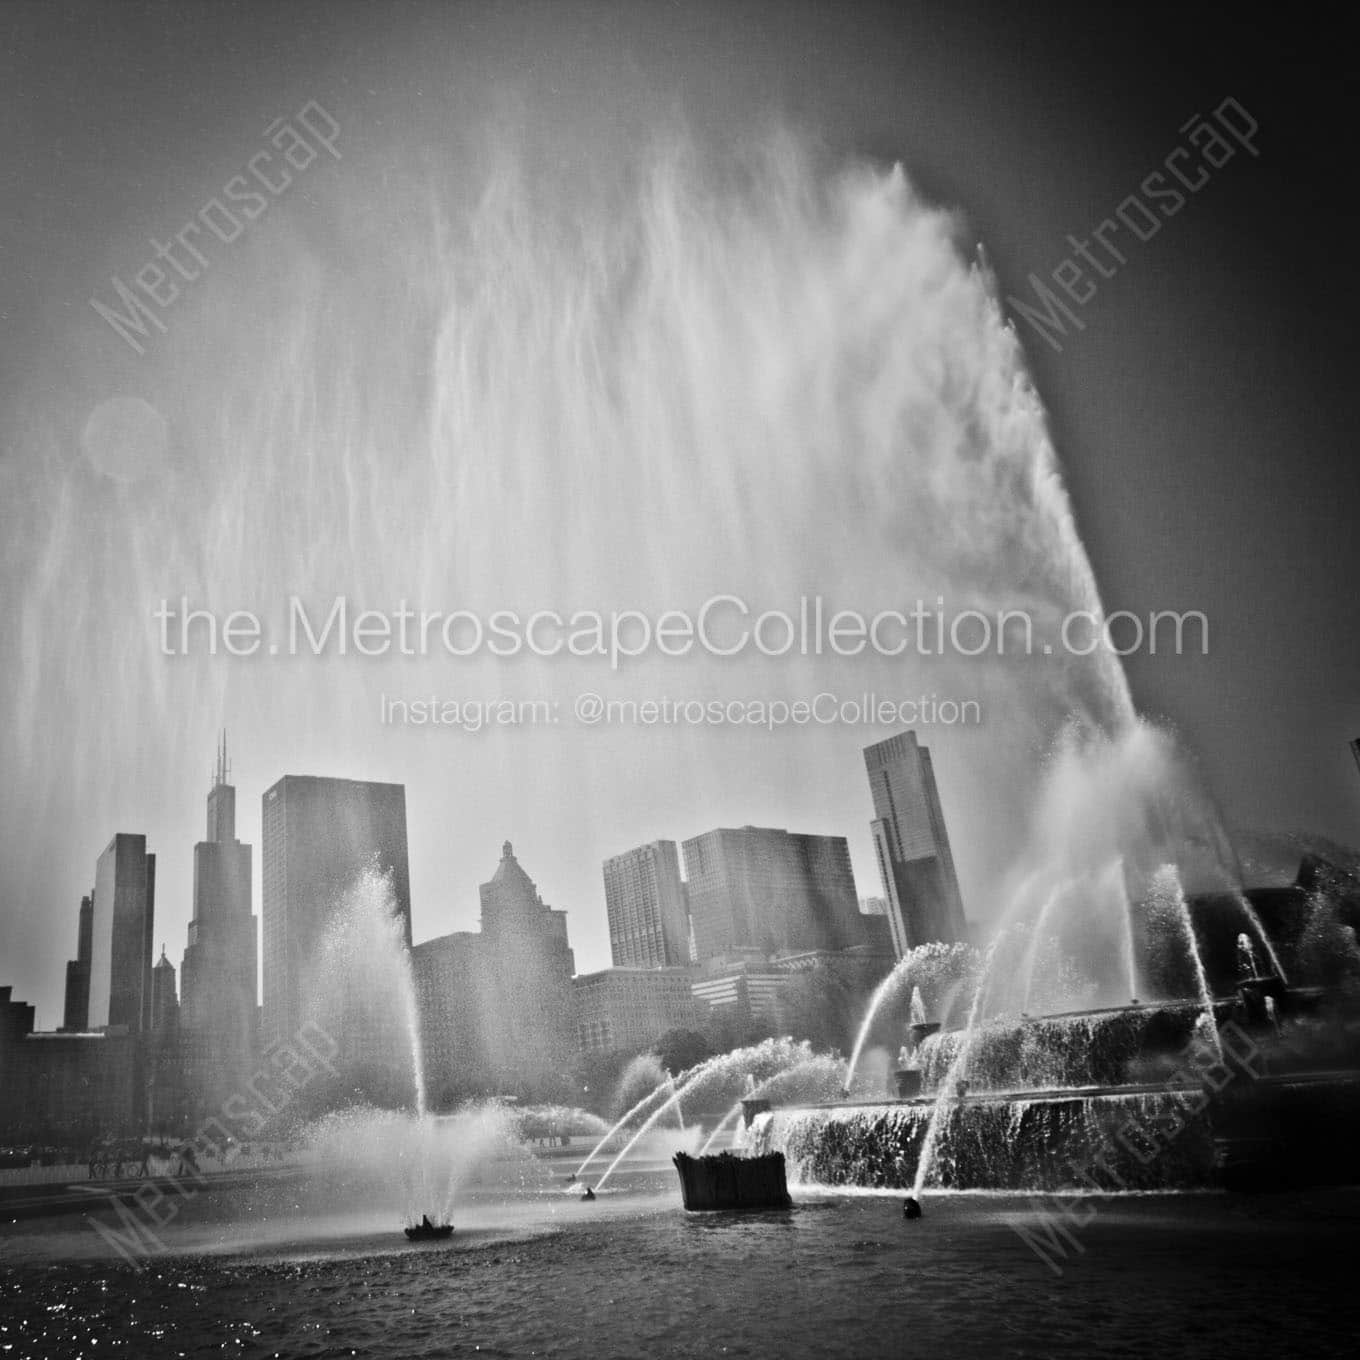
x=218 y=976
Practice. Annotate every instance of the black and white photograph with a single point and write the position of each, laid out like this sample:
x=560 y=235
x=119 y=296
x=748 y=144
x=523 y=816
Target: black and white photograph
x=678 y=678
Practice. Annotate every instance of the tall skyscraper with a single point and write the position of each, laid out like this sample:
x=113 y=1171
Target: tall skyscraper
x=121 y=929
x=530 y=1032
x=645 y=898
x=319 y=836
x=76 y=1013
x=766 y=890
x=218 y=975
x=912 y=845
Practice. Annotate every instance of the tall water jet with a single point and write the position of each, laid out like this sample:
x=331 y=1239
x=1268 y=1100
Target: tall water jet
x=1118 y=886
x=359 y=986
x=1168 y=898
x=509 y=352
x=949 y=1087
x=1037 y=938
x=1254 y=921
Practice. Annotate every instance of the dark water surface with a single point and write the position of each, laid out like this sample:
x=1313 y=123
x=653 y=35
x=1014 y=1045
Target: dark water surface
x=633 y=1275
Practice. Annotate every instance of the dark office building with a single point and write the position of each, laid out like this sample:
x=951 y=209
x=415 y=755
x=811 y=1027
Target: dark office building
x=763 y=889
x=218 y=976
x=66 y=1088
x=912 y=845
x=319 y=836
x=122 y=924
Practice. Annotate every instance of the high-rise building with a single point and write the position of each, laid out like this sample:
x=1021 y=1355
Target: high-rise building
x=645 y=898
x=218 y=977
x=121 y=929
x=76 y=1012
x=319 y=836
x=530 y=1032
x=627 y=1009
x=760 y=888
x=912 y=845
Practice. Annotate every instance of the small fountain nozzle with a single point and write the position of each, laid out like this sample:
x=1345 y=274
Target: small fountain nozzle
x=911 y=1208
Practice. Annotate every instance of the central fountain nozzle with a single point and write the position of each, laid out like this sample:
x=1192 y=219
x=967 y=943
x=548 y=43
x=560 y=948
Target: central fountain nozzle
x=911 y=1208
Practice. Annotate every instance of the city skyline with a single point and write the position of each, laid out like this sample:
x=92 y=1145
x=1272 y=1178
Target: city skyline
x=217 y=882
x=222 y=815
x=214 y=516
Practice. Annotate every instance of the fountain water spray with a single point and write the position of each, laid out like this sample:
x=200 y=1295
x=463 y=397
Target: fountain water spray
x=520 y=345
x=766 y=1058
x=729 y=1118
x=663 y=1087
x=935 y=964
x=1244 y=903
x=360 y=986
x=820 y=1076
x=948 y=1087
x=1170 y=896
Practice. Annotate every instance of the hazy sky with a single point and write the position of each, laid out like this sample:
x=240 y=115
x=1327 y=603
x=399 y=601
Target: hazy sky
x=1199 y=417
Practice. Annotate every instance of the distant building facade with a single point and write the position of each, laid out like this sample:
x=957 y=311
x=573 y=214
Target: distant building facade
x=912 y=845
x=65 y=1088
x=76 y=1011
x=528 y=964
x=456 y=1001
x=626 y=1010
x=764 y=889
x=164 y=996
x=121 y=930
x=319 y=835
x=645 y=899
x=739 y=997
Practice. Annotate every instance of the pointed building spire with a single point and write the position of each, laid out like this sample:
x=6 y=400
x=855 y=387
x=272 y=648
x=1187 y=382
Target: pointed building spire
x=222 y=770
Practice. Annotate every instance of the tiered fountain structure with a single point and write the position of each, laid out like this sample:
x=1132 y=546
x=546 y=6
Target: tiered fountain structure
x=1238 y=1065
